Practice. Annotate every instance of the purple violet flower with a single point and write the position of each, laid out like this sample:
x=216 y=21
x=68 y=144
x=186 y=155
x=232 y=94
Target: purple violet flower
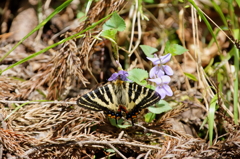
x=162 y=86
x=160 y=68
x=122 y=75
x=160 y=60
x=160 y=74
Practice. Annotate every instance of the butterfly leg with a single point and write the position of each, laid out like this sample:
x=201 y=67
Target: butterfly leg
x=132 y=121
x=118 y=115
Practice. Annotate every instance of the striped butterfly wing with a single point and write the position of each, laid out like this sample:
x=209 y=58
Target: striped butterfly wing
x=140 y=97
x=144 y=97
x=100 y=99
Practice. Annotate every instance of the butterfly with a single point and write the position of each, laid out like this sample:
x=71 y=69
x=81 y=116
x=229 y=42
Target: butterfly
x=117 y=97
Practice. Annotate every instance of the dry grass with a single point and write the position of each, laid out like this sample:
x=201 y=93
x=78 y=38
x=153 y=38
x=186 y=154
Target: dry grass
x=63 y=130
x=41 y=130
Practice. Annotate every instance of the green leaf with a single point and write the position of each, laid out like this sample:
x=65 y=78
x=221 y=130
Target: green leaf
x=124 y=126
x=174 y=49
x=149 y=117
x=81 y=16
x=238 y=2
x=110 y=150
x=109 y=34
x=161 y=106
x=138 y=75
x=191 y=76
x=119 y=123
x=235 y=53
x=149 y=1
x=148 y=50
x=115 y=22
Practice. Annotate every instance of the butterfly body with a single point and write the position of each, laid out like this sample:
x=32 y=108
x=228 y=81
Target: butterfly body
x=118 y=96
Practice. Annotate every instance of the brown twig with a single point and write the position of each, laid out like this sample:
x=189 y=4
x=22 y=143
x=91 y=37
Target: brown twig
x=154 y=131
x=108 y=143
x=36 y=102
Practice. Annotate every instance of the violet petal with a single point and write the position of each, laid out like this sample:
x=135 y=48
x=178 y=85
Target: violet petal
x=156 y=71
x=113 y=77
x=168 y=70
x=161 y=91
x=165 y=58
x=155 y=61
x=168 y=90
x=160 y=80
